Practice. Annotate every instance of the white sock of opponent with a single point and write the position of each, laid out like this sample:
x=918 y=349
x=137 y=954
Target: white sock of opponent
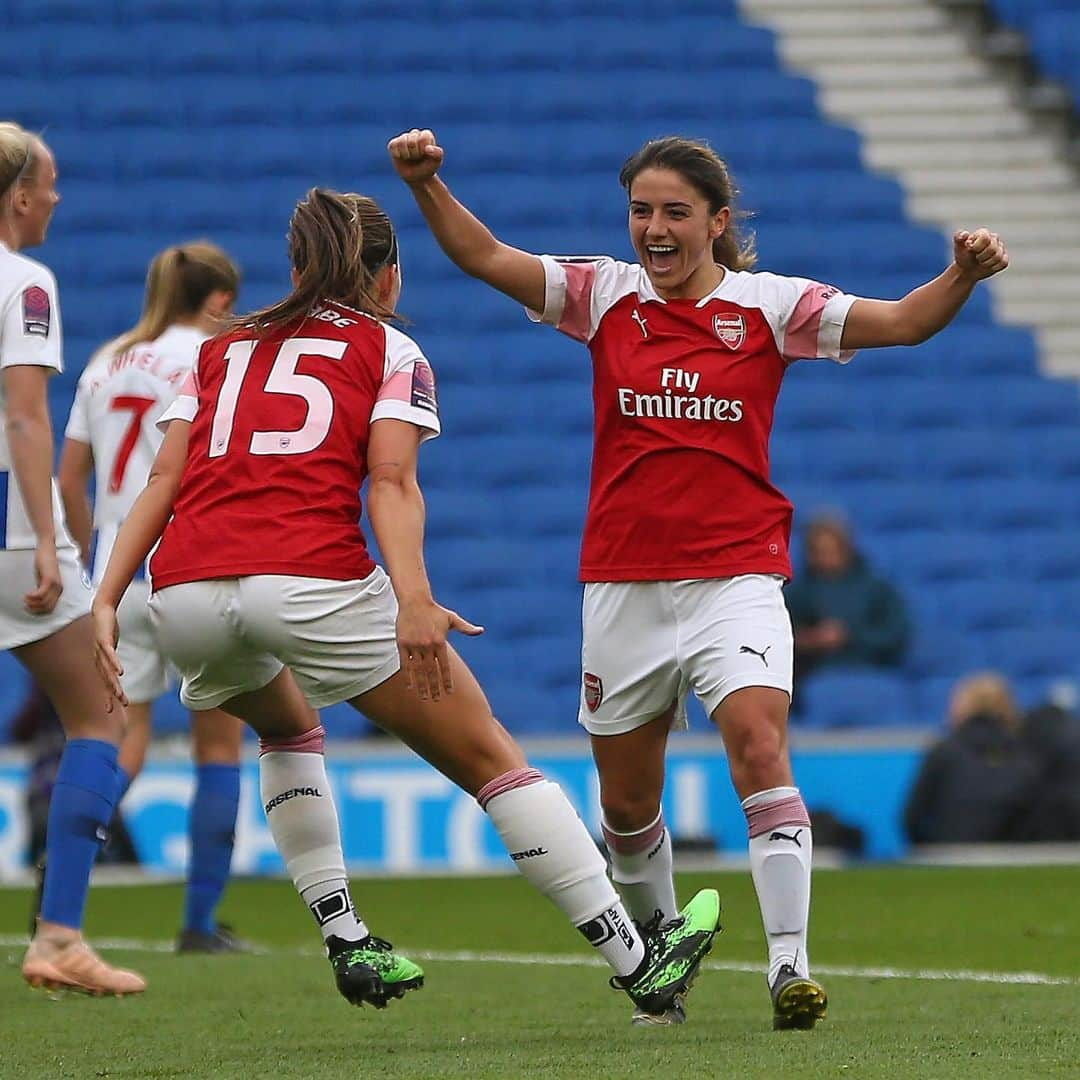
x=781 y=848
x=553 y=849
x=303 y=820
x=643 y=868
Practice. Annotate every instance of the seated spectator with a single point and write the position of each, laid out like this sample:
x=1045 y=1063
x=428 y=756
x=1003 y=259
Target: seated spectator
x=1052 y=734
x=842 y=614
x=978 y=783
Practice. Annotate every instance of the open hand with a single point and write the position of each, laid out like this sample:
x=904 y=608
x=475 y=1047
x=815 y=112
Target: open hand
x=106 y=635
x=416 y=155
x=422 y=630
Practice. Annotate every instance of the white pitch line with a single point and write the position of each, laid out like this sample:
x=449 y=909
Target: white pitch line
x=466 y=956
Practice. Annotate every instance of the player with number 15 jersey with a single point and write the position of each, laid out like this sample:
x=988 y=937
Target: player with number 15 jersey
x=276 y=455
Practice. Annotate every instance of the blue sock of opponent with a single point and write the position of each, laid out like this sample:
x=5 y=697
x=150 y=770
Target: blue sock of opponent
x=79 y=815
x=213 y=822
x=123 y=782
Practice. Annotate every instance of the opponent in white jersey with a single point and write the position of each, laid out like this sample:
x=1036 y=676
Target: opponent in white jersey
x=44 y=597
x=112 y=432
x=685 y=546
x=269 y=603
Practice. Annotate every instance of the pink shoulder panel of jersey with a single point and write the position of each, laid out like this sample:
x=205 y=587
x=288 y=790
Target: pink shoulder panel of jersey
x=576 y=319
x=184 y=405
x=803 y=332
x=582 y=289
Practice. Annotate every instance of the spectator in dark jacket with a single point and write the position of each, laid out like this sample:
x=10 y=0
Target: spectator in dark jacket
x=978 y=783
x=842 y=614
x=1052 y=734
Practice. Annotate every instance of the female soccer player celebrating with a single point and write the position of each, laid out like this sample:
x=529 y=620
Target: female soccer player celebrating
x=44 y=599
x=112 y=430
x=268 y=602
x=686 y=540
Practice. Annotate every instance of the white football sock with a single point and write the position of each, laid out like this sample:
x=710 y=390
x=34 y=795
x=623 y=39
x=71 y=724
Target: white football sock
x=553 y=849
x=642 y=866
x=781 y=849
x=303 y=820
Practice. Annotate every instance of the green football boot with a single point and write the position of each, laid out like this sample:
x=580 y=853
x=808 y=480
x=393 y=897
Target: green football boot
x=798 y=1001
x=673 y=954
x=369 y=971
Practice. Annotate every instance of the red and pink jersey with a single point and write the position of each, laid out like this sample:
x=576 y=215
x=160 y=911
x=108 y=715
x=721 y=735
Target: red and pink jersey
x=277 y=451
x=684 y=393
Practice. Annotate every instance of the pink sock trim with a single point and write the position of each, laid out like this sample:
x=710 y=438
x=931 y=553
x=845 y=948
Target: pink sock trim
x=311 y=742
x=791 y=810
x=515 y=778
x=634 y=843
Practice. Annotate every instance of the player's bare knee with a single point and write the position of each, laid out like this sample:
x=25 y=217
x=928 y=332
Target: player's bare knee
x=627 y=810
x=758 y=753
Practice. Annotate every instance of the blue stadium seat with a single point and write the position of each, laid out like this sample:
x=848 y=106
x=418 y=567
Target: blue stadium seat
x=1053 y=452
x=936 y=554
x=1046 y=555
x=992 y=605
x=1051 y=650
x=943 y=649
x=856 y=698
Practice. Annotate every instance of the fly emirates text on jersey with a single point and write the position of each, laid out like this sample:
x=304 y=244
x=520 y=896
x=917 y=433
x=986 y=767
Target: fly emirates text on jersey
x=671 y=405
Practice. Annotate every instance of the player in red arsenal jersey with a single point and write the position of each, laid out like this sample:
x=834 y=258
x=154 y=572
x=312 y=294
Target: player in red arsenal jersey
x=266 y=599
x=686 y=539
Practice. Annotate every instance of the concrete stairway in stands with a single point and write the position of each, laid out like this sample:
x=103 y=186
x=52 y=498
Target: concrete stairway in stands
x=952 y=128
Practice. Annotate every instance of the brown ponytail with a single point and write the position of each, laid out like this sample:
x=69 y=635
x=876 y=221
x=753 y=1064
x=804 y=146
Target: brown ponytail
x=338 y=242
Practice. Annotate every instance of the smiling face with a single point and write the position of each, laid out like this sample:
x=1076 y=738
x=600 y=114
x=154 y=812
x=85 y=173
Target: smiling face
x=672 y=230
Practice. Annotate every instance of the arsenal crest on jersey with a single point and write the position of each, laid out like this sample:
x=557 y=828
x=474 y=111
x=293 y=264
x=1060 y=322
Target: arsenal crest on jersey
x=730 y=328
x=594 y=691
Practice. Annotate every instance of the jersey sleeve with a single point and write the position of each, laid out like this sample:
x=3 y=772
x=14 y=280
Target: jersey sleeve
x=407 y=391
x=810 y=320
x=78 y=425
x=30 y=325
x=578 y=291
x=185 y=404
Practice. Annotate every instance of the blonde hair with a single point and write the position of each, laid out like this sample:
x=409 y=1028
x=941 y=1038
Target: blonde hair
x=338 y=242
x=17 y=158
x=984 y=692
x=178 y=282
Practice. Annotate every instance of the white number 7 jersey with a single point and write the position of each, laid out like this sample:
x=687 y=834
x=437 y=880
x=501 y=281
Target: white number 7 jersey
x=117 y=404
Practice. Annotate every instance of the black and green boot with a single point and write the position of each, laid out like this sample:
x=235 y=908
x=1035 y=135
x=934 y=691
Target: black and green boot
x=673 y=954
x=370 y=972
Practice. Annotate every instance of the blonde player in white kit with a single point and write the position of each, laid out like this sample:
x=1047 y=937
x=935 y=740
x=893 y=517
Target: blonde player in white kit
x=112 y=433
x=686 y=539
x=44 y=597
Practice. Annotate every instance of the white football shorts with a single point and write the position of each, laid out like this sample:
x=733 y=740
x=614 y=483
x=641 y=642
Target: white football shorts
x=146 y=668
x=17 y=578
x=646 y=644
x=230 y=636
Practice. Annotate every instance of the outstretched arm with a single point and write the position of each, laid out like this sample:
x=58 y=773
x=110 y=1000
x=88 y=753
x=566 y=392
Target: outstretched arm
x=931 y=307
x=469 y=243
x=140 y=532
x=395 y=507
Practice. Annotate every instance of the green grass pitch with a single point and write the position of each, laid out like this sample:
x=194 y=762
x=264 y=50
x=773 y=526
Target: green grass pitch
x=967 y=933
